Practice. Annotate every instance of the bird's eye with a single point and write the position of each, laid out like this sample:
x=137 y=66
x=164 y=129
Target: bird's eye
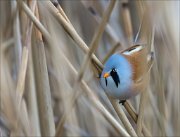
x=113 y=70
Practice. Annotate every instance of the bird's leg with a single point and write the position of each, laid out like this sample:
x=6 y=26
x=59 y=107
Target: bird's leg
x=122 y=102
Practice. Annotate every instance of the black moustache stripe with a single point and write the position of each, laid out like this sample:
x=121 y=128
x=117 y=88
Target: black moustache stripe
x=115 y=77
x=106 y=81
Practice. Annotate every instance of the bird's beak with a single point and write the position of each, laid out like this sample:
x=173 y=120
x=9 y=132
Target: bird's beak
x=106 y=75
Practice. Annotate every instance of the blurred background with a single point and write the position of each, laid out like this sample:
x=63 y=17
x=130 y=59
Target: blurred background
x=42 y=47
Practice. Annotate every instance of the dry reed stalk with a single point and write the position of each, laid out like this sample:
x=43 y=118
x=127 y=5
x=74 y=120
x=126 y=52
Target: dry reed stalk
x=144 y=32
x=22 y=75
x=160 y=103
x=30 y=83
x=141 y=112
x=157 y=114
x=123 y=118
x=162 y=99
x=5 y=95
x=41 y=75
x=141 y=13
x=71 y=31
x=134 y=116
x=21 y=122
x=93 y=47
x=32 y=99
x=56 y=3
x=35 y=20
x=127 y=21
x=23 y=68
x=7 y=30
x=17 y=36
x=7 y=101
x=143 y=96
x=25 y=118
x=20 y=87
x=59 y=130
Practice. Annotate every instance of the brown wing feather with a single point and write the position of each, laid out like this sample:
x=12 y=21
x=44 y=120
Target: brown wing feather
x=138 y=60
x=130 y=48
x=140 y=64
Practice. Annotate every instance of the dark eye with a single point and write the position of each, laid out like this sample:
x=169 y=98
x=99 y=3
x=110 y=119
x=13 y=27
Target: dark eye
x=113 y=70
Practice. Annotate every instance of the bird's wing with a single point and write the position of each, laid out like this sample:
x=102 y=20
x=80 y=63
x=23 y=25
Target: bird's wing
x=141 y=63
x=133 y=49
x=141 y=81
x=137 y=55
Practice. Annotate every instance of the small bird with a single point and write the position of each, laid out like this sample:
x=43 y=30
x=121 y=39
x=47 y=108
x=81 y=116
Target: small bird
x=125 y=73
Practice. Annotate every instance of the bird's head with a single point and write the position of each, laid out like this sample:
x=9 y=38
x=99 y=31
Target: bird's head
x=116 y=75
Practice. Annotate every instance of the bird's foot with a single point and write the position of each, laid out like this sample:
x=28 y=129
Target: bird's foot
x=122 y=102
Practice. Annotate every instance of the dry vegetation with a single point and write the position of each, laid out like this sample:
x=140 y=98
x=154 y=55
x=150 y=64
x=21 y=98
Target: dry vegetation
x=51 y=55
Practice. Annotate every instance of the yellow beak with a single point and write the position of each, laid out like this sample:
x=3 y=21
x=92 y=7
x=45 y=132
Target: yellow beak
x=106 y=75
